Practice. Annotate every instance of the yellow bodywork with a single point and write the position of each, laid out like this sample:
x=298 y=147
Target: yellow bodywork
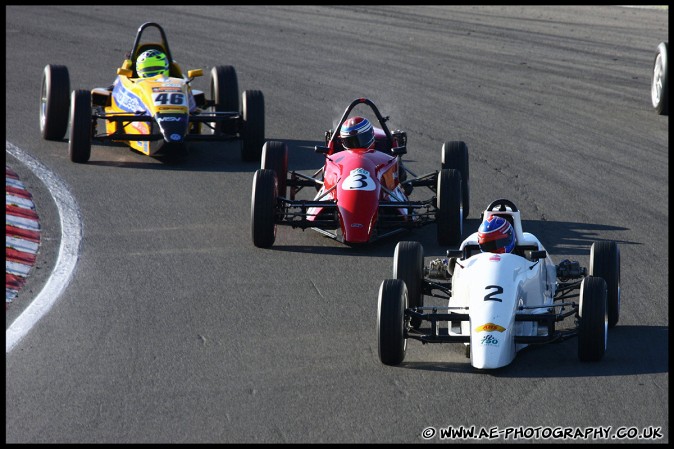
x=152 y=95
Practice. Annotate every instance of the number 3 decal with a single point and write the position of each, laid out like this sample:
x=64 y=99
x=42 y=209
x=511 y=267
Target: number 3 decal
x=359 y=179
x=498 y=290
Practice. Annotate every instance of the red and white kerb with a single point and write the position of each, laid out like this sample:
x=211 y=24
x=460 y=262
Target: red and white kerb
x=22 y=235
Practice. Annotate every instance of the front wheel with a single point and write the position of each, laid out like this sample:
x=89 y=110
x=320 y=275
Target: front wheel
x=54 y=102
x=263 y=208
x=455 y=155
x=448 y=216
x=252 y=128
x=605 y=263
x=275 y=157
x=593 y=320
x=659 y=85
x=391 y=322
x=79 y=146
x=408 y=266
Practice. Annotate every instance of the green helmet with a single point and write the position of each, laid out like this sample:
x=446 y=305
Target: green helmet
x=152 y=63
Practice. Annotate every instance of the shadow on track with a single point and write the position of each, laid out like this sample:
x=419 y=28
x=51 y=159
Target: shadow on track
x=631 y=350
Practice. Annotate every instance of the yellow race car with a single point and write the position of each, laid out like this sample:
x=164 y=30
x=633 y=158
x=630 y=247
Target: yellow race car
x=151 y=106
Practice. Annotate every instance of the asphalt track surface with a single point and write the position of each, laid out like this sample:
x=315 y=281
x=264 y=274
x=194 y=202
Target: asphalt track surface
x=175 y=328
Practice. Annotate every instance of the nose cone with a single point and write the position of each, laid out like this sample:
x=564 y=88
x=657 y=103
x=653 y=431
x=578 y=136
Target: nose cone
x=358 y=203
x=173 y=126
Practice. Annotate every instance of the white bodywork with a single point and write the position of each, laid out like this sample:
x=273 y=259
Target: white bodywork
x=492 y=289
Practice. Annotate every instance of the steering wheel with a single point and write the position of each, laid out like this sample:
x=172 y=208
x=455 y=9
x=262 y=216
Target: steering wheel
x=502 y=203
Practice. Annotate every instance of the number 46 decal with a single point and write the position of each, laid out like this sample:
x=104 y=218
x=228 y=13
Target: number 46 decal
x=497 y=291
x=175 y=99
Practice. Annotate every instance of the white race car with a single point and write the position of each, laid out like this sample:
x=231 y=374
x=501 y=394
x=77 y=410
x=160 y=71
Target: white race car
x=498 y=303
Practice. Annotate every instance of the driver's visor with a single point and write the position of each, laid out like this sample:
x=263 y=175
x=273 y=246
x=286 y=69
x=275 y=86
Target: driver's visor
x=151 y=71
x=495 y=246
x=362 y=140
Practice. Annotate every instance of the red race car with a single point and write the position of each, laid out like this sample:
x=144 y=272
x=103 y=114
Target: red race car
x=362 y=189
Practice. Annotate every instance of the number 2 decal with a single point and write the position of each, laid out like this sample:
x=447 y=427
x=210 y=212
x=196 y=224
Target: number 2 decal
x=176 y=99
x=498 y=290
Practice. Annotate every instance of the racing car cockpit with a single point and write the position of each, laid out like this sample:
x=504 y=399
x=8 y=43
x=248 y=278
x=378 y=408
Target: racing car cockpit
x=128 y=68
x=526 y=245
x=394 y=143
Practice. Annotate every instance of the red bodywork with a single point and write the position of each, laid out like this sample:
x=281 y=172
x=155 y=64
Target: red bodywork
x=353 y=179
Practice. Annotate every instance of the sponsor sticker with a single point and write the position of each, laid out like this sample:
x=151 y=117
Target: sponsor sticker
x=489 y=340
x=490 y=327
x=495 y=258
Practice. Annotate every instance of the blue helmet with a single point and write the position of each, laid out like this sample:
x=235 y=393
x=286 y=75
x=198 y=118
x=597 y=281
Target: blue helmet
x=357 y=132
x=496 y=235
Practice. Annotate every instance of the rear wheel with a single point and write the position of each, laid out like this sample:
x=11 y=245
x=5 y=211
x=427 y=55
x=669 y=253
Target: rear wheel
x=54 y=102
x=455 y=155
x=275 y=157
x=659 y=85
x=79 y=146
x=252 y=128
x=605 y=263
x=593 y=320
x=391 y=321
x=448 y=215
x=263 y=208
x=225 y=94
x=408 y=266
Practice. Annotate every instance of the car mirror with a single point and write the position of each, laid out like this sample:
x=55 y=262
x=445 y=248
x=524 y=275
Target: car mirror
x=321 y=149
x=454 y=253
x=399 y=151
x=194 y=73
x=125 y=72
x=537 y=255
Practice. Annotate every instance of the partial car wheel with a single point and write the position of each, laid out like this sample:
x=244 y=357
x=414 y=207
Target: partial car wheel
x=448 y=215
x=659 y=85
x=605 y=263
x=391 y=307
x=408 y=266
x=225 y=94
x=275 y=157
x=263 y=208
x=455 y=155
x=54 y=102
x=593 y=320
x=79 y=146
x=252 y=128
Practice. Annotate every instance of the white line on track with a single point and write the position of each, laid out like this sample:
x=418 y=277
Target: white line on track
x=69 y=250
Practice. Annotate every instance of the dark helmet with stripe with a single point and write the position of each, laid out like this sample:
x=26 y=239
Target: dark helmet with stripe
x=357 y=132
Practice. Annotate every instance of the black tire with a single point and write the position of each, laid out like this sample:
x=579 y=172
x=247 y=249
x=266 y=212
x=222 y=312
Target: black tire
x=448 y=215
x=79 y=146
x=391 y=321
x=408 y=266
x=593 y=320
x=275 y=157
x=659 y=84
x=225 y=94
x=252 y=128
x=455 y=155
x=605 y=263
x=263 y=208
x=54 y=102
